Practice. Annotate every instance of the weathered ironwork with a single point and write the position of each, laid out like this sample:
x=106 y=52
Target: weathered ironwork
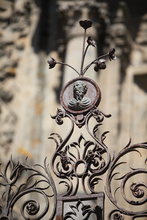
x=77 y=206
x=129 y=180
x=27 y=187
x=79 y=165
x=95 y=156
x=91 y=157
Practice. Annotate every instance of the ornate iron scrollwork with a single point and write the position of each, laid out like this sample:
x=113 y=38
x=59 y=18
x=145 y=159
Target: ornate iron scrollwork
x=91 y=158
x=85 y=210
x=131 y=189
x=80 y=99
x=20 y=182
x=88 y=153
x=84 y=161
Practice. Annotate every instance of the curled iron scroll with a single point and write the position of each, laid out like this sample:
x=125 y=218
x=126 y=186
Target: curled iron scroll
x=131 y=188
x=90 y=156
x=24 y=186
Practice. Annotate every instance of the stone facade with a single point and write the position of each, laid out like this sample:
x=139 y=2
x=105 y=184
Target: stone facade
x=33 y=30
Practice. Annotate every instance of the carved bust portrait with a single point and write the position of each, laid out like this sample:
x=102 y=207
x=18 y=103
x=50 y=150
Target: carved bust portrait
x=79 y=101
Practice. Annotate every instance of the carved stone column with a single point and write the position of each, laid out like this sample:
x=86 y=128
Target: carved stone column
x=134 y=123
x=117 y=37
x=17 y=20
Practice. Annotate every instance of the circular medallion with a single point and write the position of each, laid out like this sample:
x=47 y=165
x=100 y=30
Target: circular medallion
x=80 y=95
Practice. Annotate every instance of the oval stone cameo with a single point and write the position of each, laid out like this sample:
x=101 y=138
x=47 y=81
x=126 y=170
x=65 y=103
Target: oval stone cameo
x=80 y=95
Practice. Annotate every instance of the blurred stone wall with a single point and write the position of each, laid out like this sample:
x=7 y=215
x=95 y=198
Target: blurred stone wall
x=33 y=30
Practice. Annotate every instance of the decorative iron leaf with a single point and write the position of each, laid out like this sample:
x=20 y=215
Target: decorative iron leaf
x=94 y=182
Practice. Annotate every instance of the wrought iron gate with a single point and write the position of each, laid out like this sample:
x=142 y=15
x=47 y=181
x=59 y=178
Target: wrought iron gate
x=79 y=165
